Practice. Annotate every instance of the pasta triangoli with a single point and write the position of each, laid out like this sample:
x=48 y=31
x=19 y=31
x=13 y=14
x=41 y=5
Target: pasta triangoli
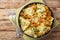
x=36 y=20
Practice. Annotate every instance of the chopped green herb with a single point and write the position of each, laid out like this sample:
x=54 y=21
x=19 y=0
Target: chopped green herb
x=44 y=29
x=38 y=8
x=34 y=29
x=42 y=12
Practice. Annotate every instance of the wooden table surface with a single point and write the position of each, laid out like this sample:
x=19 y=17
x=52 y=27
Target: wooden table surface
x=8 y=31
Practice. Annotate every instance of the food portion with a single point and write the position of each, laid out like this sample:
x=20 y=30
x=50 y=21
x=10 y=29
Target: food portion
x=24 y=23
x=36 y=20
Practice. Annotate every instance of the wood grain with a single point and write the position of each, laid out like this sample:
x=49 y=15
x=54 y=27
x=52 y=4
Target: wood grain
x=12 y=3
x=11 y=35
x=53 y=3
x=8 y=31
x=4 y=35
x=16 y=4
x=52 y=36
x=56 y=12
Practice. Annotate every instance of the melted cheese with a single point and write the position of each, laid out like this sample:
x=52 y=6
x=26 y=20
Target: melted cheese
x=39 y=12
x=35 y=19
x=43 y=29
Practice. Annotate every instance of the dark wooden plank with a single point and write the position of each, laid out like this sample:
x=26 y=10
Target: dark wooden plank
x=8 y=35
x=56 y=12
x=12 y=3
x=7 y=28
x=52 y=36
x=5 y=12
x=56 y=29
x=16 y=4
x=53 y=3
x=11 y=35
